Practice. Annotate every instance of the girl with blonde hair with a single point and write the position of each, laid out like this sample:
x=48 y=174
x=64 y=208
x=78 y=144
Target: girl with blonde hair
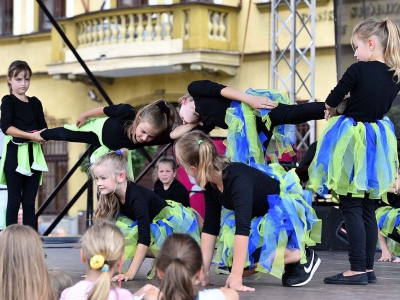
x=144 y=218
x=266 y=222
x=23 y=272
x=179 y=265
x=102 y=251
x=357 y=153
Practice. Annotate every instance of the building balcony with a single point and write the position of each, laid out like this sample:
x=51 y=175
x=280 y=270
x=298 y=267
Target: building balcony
x=148 y=40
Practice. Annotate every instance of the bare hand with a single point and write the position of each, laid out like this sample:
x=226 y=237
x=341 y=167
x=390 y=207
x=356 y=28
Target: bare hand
x=35 y=136
x=258 y=102
x=123 y=277
x=145 y=289
x=235 y=282
x=81 y=120
x=327 y=115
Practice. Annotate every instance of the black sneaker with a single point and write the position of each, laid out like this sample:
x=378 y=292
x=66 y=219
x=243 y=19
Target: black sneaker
x=287 y=273
x=359 y=279
x=223 y=270
x=303 y=273
x=371 y=277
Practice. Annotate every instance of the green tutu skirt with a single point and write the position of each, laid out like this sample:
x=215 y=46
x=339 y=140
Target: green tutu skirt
x=388 y=219
x=173 y=218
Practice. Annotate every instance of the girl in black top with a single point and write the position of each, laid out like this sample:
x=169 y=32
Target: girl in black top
x=266 y=221
x=166 y=185
x=22 y=164
x=263 y=113
x=144 y=218
x=357 y=154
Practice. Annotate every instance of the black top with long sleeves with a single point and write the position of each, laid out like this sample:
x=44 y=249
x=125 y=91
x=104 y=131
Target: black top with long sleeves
x=26 y=116
x=372 y=91
x=245 y=191
x=176 y=192
x=141 y=205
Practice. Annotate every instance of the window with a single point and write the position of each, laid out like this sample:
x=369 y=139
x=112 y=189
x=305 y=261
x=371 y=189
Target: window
x=6 y=17
x=56 y=154
x=57 y=8
x=131 y=3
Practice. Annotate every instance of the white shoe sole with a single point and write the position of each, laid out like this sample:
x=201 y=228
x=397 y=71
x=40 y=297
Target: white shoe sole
x=311 y=274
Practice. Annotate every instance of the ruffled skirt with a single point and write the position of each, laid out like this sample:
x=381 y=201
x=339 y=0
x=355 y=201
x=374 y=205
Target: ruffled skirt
x=355 y=157
x=173 y=218
x=388 y=219
x=289 y=223
x=244 y=143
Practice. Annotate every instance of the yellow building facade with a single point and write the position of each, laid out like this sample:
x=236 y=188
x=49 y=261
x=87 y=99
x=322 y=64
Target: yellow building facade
x=146 y=52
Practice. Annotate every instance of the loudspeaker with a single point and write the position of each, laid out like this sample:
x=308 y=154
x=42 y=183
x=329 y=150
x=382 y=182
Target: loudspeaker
x=331 y=219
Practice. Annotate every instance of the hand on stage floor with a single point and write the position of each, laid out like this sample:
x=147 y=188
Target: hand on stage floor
x=235 y=282
x=123 y=277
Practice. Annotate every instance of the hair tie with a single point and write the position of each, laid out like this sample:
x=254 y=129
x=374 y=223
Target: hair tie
x=199 y=142
x=163 y=107
x=97 y=261
x=383 y=23
x=119 y=152
x=178 y=259
x=105 y=268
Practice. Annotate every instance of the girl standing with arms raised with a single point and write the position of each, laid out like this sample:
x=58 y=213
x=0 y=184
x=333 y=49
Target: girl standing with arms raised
x=144 y=218
x=22 y=164
x=266 y=223
x=357 y=155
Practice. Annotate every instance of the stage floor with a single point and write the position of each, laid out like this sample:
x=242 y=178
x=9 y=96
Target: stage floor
x=268 y=287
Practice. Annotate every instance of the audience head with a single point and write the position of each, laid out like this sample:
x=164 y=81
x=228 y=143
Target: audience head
x=59 y=281
x=165 y=170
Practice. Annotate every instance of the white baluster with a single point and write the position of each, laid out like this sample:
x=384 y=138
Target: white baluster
x=114 y=30
x=222 y=27
x=149 y=28
x=107 y=31
x=140 y=28
x=167 y=28
x=215 y=22
x=122 y=30
x=131 y=28
x=94 y=32
x=157 y=28
x=101 y=32
x=210 y=25
x=186 y=25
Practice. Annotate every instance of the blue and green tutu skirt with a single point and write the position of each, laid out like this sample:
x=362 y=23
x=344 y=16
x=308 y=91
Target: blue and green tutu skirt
x=174 y=218
x=355 y=158
x=388 y=219
x=244 y=143
x=289 y=223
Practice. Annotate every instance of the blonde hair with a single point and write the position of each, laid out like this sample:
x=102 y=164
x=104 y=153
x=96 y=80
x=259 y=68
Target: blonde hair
x=388 y=33
x=59 y=281
x=180 y=259
x=164 y=160
x=23 y=273
x=160 y=115
x=105 y=239
x=196 y=149
x=17 y=67
x=115 y=162
x=188 y=97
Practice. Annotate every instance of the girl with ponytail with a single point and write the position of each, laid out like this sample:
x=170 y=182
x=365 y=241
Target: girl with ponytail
x=144 y=218
x=265 y=223
x=102 y=251
x=179 y=265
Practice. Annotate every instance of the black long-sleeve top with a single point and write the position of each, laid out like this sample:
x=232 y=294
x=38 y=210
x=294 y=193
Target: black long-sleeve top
x=141 y=205
x=372 y=90
x=245 y=191
x=26 y=116
x=176 y=192
x=114 y=133
x=209 y=103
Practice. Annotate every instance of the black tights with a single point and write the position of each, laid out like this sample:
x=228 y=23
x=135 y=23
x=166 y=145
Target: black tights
x=362 y=231
x=62 y=134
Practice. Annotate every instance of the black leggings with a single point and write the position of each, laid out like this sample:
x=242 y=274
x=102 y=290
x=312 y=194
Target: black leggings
x=362 y=231
x=21 y=189
x=291 y=114
x=62 y=134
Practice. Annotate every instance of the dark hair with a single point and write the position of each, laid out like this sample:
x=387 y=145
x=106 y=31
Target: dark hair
x=17 y=67
x=179 y=259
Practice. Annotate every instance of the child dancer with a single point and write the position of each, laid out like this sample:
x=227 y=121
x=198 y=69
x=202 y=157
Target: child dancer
x=357 y=155
x=102 y=251
x=22 y=120
x=119 y=126
x=166 y=185
x=266 y=222
x=262 y=114
x=179 y=265
x=144 y=218
x=23 y=273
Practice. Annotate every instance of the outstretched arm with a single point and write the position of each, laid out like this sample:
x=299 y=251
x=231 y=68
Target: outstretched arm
x=180 y=130
x=135 y=265
x=207 y=250
x=97 y=112
x=255 y=102
x=33 y=136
